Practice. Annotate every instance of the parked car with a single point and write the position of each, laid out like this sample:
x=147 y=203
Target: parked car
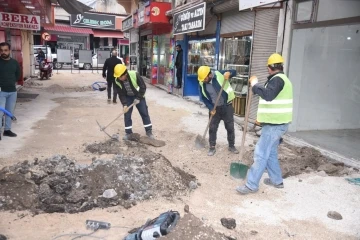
x=88 y=66
x=52 y=57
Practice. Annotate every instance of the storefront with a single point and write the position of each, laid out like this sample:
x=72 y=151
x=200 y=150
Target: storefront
x=17 y=30
x=156 y=43
x=133 y=35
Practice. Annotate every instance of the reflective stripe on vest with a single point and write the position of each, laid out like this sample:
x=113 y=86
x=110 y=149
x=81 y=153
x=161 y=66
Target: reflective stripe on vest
x=279 y=110
x=227 y=88
x=133 y=79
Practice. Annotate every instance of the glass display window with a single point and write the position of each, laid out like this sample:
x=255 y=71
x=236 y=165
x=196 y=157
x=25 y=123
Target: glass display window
x=236 y=56
x=201 y=52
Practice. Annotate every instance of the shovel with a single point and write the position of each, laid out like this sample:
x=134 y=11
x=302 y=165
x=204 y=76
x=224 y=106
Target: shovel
x=237 y=169
x=200 y=140
x=102 y=129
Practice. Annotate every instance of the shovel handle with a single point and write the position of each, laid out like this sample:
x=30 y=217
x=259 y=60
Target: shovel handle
x=102 y=129
x=247 y=113
x=216 y=103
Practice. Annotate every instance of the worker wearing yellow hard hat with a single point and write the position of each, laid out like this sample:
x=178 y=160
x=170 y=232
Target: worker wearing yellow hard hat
x=131 y=88
x=210 y=85
x=274 y=114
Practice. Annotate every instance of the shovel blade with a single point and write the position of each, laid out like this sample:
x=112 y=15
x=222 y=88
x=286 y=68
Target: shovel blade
x=238 y=170
x=200 y=142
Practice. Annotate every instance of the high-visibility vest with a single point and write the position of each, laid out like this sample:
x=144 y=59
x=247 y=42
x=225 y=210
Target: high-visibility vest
x=279 y=110
x=227 y=87
x=133 y=79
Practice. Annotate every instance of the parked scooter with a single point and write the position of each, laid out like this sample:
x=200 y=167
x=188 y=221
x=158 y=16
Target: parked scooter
x=45 y=69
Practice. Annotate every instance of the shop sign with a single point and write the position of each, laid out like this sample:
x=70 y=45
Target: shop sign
x=190 y=20
x=19 y=21
x=141 y=15
x=91 y=20
x=127 y=23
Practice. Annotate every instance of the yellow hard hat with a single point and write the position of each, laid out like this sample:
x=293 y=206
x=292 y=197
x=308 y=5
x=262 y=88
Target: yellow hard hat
x=275 y=58
x=119 y=70
x=203 y=72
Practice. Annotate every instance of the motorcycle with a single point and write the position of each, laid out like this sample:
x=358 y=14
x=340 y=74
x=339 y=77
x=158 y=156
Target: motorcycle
x=46 y=69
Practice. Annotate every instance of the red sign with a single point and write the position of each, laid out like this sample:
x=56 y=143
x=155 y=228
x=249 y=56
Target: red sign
x=19 y=21
x=154 y=13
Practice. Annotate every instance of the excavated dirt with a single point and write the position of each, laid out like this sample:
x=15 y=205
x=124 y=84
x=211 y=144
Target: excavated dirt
x=190 y=227
x=60 y=184
x=297 y=160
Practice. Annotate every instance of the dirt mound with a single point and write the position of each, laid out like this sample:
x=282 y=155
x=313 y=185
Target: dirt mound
x=55 y=88
x=80 y=89
x=59 y=184
x=190 y=227
x=32 y=83
x=297 y=160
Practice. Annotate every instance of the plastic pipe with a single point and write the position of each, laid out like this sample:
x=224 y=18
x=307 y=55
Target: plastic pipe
x=8 y=113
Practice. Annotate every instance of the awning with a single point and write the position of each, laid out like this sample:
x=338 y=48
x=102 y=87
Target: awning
x=68 y=29
x=108 y=34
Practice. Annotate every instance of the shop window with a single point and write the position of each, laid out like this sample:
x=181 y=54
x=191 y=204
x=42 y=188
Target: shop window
x=304 y=11
x=335 y=9
x=236 y=56
x=201 y=53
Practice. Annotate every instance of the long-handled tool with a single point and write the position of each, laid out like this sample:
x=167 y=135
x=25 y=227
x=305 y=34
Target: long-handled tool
x=239 y=170
x=200 y=140
x=102 y=129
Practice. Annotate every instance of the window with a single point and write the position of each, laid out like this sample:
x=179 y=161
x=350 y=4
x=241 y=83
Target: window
x=304 y=11
x=335 y=9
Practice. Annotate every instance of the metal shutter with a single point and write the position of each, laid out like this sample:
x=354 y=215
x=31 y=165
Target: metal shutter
x=226 y=6
x=235 y=21
x=264 y=44
x=210 y=24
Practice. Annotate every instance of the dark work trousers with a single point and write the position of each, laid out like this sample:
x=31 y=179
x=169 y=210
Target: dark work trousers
x=179 y=77
x=143 y=110
x=110 y=83
x=225 y=113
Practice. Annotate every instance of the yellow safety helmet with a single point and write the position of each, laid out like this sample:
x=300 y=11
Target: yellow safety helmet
x=274 y=59
x=203 y=72
x=119 y=70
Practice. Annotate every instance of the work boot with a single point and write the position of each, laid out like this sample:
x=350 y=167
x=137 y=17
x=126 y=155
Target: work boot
x=114 y=102
x=127 y=137
x=150 y=135
x=267 y=181
x=233 y=149
x=244 y=190
x=212 y=151
x=109 y=101
x=9 y=133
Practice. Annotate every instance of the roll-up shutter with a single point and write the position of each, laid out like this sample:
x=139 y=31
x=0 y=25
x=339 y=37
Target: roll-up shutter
x=210 y=24
x=228 y=5
x=235 y=21
x=264 y=44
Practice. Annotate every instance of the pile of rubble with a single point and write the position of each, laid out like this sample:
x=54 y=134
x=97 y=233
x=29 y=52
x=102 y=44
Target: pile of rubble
x=58 y=184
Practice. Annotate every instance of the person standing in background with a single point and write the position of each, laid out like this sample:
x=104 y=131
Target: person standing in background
x=108 y=74
x=9 y=74
x=179 y=65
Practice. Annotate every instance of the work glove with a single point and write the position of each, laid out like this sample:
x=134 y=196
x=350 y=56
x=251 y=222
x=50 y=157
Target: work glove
x=104 y=75
x=125 y=109
x=257 y=123
x=136 y=101
x=227 y=75
x=213 y=112
x=253 y=80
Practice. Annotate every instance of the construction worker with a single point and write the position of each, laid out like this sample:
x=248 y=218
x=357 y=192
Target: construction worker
x=210 y=84
x=131 y=89
x=274 y=114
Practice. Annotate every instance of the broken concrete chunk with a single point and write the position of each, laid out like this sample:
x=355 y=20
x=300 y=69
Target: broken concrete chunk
x=334 y=215
x=193 y=185
x=328 y=168
x=186 y=208
x=109 y=193
x=229 y=223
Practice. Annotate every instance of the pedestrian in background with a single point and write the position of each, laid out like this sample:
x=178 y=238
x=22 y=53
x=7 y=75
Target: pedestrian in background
x=274 y=114
x=10 y=73
x=179 y=65
x=108 y=74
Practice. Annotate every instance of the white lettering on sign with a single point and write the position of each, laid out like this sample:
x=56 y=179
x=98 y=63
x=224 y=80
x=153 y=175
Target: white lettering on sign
x=191 y=25
x=19 y=21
